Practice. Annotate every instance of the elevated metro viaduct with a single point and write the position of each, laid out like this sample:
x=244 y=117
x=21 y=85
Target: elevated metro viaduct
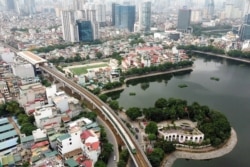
x=139 y=158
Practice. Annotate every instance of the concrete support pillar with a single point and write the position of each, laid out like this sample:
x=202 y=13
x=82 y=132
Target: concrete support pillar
x=94 y=107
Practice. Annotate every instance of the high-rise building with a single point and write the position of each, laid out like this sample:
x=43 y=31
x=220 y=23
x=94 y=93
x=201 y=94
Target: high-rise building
x=145 y=16
x=10 y=4
x=209 y=9
x=113 y=13
x=69 y=26
x=85 y=31
x=244 y=32
x=78 y=4
x=30 y=6
x=184 y=17
x=100 y=13
x=125 y=17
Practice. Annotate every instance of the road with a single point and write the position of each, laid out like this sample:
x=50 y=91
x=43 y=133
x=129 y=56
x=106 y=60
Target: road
x=147 y=75
x=139 y=157
x=222 y=56
x=111 y=138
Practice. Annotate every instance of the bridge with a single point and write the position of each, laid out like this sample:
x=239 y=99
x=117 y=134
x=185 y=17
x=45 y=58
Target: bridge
x=139 y=156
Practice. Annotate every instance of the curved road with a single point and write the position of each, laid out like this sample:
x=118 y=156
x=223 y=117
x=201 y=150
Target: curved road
x=203 y=154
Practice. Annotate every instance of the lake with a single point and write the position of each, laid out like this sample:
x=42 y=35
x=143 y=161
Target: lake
x=230 y=95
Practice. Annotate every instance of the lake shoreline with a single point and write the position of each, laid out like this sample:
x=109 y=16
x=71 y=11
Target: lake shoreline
x=226 y=148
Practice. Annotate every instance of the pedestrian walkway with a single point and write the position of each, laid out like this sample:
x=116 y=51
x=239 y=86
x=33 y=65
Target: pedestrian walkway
x=11 y=121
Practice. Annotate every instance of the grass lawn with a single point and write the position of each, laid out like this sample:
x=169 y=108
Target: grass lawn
x=83 y=70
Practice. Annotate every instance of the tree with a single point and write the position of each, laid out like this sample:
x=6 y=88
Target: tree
x=151 y=128
x=161 y=103
x=133 y=113
x=121 y=163
x=100 y=163
x=107 y=149
x=151 y=137
x=98 y=55
x=103 y=97
x=156 y=157
x=114 y=104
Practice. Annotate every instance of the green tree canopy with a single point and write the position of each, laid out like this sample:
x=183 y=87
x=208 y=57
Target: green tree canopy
x=133 y=113
x=151 y=128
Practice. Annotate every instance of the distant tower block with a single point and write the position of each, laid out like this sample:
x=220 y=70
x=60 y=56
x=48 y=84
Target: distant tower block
x=209 y=9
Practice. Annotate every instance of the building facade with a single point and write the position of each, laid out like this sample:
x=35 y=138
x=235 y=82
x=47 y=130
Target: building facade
x=145 y=16
x=69 y=26
x=184 y=17
x=85 y=29
x=125 y=17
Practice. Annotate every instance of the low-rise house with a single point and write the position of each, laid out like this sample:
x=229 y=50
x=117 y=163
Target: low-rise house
x=26 y=141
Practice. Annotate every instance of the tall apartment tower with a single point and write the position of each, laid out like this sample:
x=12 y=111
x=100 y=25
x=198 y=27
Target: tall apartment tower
x=184 y=17
x=125 y=17
x=244 y=32
x=69 y=26
x=145 y=16
x=91 y=16
x=78 y=4
x=10 y=4
x=209 y=9
x=113 y=13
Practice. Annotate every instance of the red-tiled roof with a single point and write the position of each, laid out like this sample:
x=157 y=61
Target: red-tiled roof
x=93 y=146
x=86 y=134
x=40 y=144
x=88 y=163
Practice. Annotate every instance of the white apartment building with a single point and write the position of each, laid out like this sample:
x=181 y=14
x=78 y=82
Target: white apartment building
x=61 y=101
x=32 y=96
x=196 y=16
x=69 y=26
x=50 y=93
x=39 y=135
x=90 y=145
x=47 y=115
x=69 y=144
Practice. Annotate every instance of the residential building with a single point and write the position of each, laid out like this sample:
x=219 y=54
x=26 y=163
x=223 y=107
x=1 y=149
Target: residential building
x=125 y=17
x=196 y=16
x=69 y=144
x=27 y=141
x=100 y=13
x=47 y=115
x=90 y=145
x=61 y=101
x=32 y=96
x=145 y=16
x=10 y=4
x=244 y=32
x=39 y=135
x=69 y=26
x=183 y=24
x=8 y=137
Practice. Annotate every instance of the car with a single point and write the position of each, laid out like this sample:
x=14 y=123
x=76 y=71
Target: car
x=137 y=130
x=114 y=158
x=136 y=136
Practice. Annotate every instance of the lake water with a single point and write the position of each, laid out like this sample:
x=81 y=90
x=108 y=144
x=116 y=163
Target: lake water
x=230 y=95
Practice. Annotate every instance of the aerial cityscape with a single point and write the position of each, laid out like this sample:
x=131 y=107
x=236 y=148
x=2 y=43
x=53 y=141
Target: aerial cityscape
x=124 y=83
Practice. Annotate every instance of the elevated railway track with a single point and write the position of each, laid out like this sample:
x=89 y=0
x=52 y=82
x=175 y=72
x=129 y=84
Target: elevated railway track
x=136 y=152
